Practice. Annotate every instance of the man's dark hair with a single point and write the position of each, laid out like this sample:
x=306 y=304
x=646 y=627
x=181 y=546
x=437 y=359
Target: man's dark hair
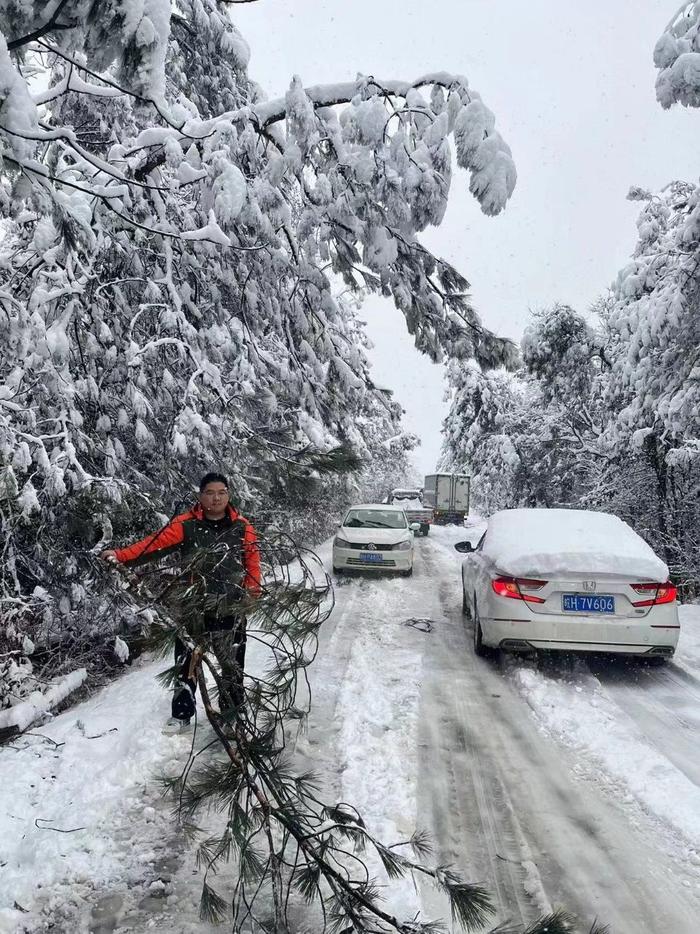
x=212 y=478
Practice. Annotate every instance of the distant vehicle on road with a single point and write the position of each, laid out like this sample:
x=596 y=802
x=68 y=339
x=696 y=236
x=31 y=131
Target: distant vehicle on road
x=567 y=580
x=411 y=501
x=374 y=537
x=448 y=496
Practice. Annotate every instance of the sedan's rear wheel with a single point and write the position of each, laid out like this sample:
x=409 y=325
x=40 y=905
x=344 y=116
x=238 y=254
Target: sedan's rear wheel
x=407 y=573
x=483 y=651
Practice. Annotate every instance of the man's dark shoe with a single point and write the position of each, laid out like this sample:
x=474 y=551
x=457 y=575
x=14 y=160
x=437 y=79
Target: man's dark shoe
x=184 y=704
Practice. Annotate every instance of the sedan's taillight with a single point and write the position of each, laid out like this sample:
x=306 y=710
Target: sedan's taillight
x=654 y=594
x=518 y=588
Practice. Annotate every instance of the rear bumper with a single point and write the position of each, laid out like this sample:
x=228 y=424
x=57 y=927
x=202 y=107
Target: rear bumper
x=349 y=559
x=656 y=637
x=448 y=518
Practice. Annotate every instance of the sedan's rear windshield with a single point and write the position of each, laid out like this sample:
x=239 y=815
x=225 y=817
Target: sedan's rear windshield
x=375 y=519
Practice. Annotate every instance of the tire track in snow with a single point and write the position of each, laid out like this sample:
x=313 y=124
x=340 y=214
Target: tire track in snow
x=658 y=715
x=688 y=683
x=485 y=840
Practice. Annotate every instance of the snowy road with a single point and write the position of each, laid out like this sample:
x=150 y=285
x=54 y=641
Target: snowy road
x=577 y=784
x=574 y=784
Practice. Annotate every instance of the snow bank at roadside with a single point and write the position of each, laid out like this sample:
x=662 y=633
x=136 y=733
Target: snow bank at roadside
x=688 y=651
x=582 y=718
x=579 y=714
x=76 y=795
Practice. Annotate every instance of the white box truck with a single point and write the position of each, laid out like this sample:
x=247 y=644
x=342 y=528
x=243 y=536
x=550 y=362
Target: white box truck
x=448 y=494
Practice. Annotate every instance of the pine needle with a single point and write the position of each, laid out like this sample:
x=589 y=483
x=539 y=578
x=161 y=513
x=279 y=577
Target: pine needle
x=393 y=863
x=212 y=907
x=559 y=922
x=471 y=905
x=425 y=927
x=306 y=881
x=421 y=843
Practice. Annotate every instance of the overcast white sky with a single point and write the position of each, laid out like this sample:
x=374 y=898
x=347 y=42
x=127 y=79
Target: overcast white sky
x=572 y=87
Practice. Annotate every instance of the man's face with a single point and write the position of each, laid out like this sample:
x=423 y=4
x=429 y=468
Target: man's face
x=214 y=500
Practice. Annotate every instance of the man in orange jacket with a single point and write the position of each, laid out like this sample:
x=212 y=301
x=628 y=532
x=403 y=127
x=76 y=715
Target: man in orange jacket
x=219 y=549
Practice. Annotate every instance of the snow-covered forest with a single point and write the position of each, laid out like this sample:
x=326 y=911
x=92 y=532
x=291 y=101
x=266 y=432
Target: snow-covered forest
x=604 y=408
x=181 y=265
x=186 y=264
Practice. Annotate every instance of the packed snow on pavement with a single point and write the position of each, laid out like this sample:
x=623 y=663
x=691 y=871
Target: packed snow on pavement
x=568 y=783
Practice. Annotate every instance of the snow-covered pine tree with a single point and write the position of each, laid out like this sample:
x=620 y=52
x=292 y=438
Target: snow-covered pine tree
x=171 y=247
x=653 y=397
x=677 y=57
x=653 y=389
x=530 y=438
x=480 y=437
x=654 y=322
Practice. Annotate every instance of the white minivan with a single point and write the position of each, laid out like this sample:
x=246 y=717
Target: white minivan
x=569 y=580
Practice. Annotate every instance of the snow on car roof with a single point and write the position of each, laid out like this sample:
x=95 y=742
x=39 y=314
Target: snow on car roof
x=539 y=542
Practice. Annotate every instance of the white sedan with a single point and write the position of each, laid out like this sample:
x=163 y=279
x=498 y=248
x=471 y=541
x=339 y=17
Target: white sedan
x=568 y=580
x=374 y=538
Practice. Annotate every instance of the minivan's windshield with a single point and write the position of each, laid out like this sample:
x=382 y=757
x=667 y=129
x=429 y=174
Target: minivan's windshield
x=375 y=519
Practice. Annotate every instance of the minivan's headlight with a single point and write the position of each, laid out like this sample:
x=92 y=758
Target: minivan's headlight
x=341 y=543
x=403 y=546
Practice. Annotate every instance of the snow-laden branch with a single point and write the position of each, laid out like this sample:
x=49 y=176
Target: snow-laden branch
x=330 y=95
x=73 y=82
x=51 y=25
x=677 y=57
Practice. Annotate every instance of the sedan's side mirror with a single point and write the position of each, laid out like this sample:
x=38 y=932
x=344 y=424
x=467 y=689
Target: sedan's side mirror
x=464 y=547
x=415 y=526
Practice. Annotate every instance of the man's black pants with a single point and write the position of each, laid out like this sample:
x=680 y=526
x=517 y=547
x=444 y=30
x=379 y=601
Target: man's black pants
x=229 y=644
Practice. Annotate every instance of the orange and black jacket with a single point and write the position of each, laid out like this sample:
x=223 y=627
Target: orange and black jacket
x=231 y=543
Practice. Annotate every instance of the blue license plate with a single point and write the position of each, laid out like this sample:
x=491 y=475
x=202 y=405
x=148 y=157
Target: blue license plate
x=578 y=603
x=371 y=557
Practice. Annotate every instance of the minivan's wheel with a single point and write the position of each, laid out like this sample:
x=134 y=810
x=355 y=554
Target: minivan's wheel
x=407 y=573
x=483 y=651
x=465 y=605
